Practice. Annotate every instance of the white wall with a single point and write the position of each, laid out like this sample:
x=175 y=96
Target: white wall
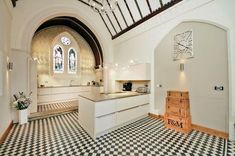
x=208 y=68
x=5 y=22
x=20 y=80
x=140 y=42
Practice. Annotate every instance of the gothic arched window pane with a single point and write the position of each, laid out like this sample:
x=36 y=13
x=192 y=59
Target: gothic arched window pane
x=72 y=61
x=58 y=59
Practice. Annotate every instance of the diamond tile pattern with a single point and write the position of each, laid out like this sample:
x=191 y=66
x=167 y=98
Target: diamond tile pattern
x=58 y=105
x=231 y=148
x=62 y=135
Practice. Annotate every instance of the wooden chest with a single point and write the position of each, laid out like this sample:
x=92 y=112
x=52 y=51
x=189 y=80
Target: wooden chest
x=181 y=110
x=178 y=123
x=177 y=114
x=180 y=102
x=183 y=94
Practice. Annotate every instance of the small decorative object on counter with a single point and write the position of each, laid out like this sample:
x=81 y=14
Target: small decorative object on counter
x=22 y=103
x=177 y=115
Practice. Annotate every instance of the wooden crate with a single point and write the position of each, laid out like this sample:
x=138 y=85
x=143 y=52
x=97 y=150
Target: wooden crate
x=184 y=94
x=178 y=123
x=180 y=102
x=177 y=111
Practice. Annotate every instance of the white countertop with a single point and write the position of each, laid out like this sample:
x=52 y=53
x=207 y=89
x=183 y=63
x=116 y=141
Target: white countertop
x=68 y=86
x=96 y=97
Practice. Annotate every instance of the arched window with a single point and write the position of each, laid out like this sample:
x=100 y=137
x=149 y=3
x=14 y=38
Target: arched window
x=72 y=61
x=58 y=59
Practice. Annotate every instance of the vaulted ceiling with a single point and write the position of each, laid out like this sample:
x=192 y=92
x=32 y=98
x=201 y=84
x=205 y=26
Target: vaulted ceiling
x=129 y=13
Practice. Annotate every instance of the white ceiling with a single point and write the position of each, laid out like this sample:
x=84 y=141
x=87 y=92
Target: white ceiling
x=131 y=13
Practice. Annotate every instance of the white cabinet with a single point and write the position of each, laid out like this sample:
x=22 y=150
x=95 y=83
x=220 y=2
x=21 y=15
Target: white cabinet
x=139 y=71
x=105 y=122
x=100 y=117
x=54 y=94
x=132 y=113
x=143 y=109
x=105 y=107
x=127 y=115
x=130 y=102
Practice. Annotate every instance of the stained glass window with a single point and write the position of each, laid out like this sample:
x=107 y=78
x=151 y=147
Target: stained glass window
x=58 y=59
x=72 y=61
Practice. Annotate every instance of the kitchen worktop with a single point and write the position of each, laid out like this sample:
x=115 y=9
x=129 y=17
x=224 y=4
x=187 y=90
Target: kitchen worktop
x=96 y=97
x=69 y=86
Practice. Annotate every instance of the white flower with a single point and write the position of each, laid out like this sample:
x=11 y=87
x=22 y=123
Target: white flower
x=21 y=101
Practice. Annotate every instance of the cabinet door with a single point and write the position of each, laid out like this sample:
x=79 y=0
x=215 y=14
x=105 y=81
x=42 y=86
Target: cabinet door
x=105 y=122
x=44 y=91
x=130 y=102
x=44 y=99
x=127 y=115
x=104 y=107
x=143 y=110
x=139 y=71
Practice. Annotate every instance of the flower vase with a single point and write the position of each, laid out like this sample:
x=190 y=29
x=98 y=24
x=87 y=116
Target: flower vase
x=23 y=116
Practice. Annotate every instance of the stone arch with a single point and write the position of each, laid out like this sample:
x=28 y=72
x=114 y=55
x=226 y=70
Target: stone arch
x=34 y=21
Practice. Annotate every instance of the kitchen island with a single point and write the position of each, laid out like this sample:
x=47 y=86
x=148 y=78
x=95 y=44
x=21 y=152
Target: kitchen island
x=101 y=113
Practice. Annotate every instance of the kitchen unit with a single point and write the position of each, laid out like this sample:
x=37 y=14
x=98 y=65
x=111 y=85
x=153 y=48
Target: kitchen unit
x=138 y=75
x=101 y=113
x=140 y=71
x=62 y=93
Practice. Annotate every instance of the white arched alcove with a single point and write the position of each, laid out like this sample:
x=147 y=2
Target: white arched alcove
x=159 y=95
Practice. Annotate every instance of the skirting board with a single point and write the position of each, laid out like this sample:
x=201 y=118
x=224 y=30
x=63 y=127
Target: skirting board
x=199 y=128
x=5 y=134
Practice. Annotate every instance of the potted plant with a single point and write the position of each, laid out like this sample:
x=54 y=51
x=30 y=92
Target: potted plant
x=21 y=103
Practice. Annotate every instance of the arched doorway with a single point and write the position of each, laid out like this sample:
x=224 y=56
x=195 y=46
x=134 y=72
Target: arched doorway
x=83 y=43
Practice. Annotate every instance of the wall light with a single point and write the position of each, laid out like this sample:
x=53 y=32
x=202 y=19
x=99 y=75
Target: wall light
x=181 y=67
x=10 y=66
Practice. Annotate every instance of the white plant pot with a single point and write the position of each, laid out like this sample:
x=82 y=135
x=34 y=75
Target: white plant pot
x=23 y=116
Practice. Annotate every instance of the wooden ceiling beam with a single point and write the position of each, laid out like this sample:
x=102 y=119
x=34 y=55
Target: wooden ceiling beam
x=141 y=15
x=154 y=13
x=127 y=6
x=13 y=3
x=106 y=25
x=102 y=16
x=122 y=15
x=111 y=23
x=115 y=16
x=143 y=19
x=161 y=3
x=150 y=9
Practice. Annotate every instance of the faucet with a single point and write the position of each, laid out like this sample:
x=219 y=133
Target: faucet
x=70 y=83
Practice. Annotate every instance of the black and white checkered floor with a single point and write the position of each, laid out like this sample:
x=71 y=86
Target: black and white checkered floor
x=57 y=105
x=62 y=135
